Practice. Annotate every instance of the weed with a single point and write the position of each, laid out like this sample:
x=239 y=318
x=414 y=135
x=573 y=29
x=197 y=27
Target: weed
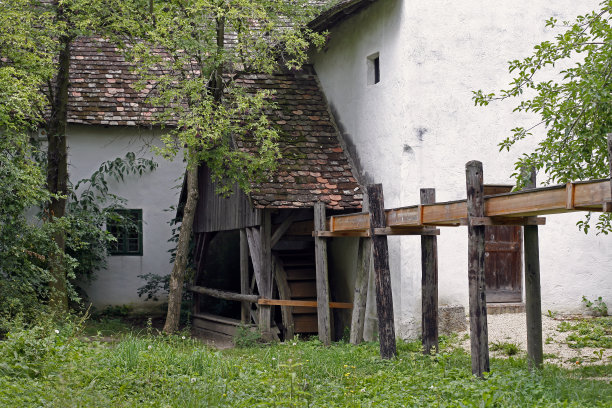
x=596 y=332
x=247 y=336
x=598 y=306
x=507 y=348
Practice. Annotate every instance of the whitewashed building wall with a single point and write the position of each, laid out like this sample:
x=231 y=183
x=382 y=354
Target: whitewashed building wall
x=418 y=127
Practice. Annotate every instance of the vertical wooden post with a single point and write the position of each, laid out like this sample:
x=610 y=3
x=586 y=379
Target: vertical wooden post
x=610 y=158
x=266 y=273
x=384 y=296
x=360 y=296
x=245 y=315
x=429 y=282
x=323 y=314
x=533 y=300
x=476 y=272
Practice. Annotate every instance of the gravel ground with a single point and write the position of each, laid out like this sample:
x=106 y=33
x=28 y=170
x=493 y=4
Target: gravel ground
x=512 y=328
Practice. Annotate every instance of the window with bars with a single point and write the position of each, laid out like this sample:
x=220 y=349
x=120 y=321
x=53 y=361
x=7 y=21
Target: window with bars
x=126 y=227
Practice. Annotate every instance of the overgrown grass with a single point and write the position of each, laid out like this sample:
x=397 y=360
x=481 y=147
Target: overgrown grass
x=596 y=332
x=40 y=367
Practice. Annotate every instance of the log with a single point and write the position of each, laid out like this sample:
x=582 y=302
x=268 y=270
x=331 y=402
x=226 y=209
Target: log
x=245 y=315
x=323 y=314
x=360 y=296
x=380 y=252
x=429 y=283
x=221 y=294
x=476 y=270
x=533 y=300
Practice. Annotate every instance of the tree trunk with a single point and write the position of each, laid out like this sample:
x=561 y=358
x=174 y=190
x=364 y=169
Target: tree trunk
x=177 y=276
x=57 y=167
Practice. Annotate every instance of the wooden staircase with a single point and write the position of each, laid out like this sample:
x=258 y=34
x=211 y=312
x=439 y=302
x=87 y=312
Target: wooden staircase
x=299 y=267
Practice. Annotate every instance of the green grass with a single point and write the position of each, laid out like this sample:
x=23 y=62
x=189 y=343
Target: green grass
x=596 y=332
x=39 y=367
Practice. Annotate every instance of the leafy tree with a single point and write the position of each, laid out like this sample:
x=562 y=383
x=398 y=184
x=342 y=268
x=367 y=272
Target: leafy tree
x=575 y=106
x=190 y=53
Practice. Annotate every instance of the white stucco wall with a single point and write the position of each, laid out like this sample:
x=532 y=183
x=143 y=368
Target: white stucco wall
x=88 y=147
x=418 y=127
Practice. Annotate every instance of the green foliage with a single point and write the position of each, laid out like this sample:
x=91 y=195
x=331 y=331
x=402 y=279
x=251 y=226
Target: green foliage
x=598 y=306
x=193 y=75
x=574 y=107
x=247 y=336
x=48 y=369
x=509 y=349
x=595 y=332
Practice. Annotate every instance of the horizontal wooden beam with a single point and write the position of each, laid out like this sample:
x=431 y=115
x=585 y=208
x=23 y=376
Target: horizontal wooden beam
x=331 y=234
x=607 y=206
x=221 y=294
x=302 y=303
x=504 y=221
x=406 y=231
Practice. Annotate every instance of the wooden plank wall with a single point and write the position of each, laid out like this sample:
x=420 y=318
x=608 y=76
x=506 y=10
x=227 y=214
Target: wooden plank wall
x=215 y=213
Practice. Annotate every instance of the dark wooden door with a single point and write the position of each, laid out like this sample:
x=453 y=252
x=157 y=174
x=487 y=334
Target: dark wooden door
x=503 y=264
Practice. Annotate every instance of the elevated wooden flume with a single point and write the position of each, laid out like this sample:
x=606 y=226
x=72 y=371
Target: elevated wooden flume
x=516 y=208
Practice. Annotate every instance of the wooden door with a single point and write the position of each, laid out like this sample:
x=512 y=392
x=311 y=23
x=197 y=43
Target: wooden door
x=503 y=264
x=503 y=258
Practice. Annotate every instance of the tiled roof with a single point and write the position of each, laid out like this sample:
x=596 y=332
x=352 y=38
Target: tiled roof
x=313 y=167
x=102 y=87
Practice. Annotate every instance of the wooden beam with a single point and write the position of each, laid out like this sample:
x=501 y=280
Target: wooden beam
x=331 y=234
x=429 y=283
x=533 y=302
x=384 y=295
x=609 y=200
x=360 y=295
x=282 y=229
x=245 y=315
x=254 y=244
x=265 y=290
x=323 y=314
x=221 y=294
x=302 y=303
x=406 y=231
x=476 y=270
x=284 y=292
x=518 y=221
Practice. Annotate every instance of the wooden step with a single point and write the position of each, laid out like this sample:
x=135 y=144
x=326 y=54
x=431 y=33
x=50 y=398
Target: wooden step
x=298 y=262
x=305 y=323
x=303 y=289
x=214 y=323
x=300 y=274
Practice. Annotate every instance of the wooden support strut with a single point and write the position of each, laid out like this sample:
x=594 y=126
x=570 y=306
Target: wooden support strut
x=429 y=283
x=384 y=296
x=607 y=206
x=265 y=290
x=221 y=294
x=360 y=295
x=245 y=314
x=533 y=302
x=476 y=270
x=323 y=314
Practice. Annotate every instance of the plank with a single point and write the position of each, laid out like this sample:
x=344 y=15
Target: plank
x=360 y=294
x=284 y=292
x=331 y=234
x=203 y=324
x=306 y=323
x=254 y=244
x=245 y=315
x=303 y=303
x=322 y=282
x=429 y=283
x=303 y=289
x=265 y=290
x=406 y=231
x=380 y=253
x=476 y=273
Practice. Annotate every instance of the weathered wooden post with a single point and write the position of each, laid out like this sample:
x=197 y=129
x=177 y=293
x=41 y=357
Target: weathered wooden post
x=245 y=315
x=429 y=283
x=323 y=314
x=265 y=324
x=384 y=296
x=476 y=269
x=533 y=296
x=608 y=206
x=364 y=262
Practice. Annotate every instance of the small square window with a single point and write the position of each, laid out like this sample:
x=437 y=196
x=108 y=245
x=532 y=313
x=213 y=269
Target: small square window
x=373 y=62
x=127 y=230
